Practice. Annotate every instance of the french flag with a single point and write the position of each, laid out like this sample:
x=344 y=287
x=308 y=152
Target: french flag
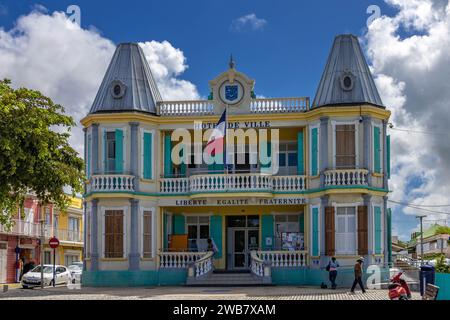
x=215 y=146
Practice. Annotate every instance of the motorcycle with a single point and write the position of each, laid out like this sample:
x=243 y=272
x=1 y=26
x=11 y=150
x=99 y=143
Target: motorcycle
x=399 y=289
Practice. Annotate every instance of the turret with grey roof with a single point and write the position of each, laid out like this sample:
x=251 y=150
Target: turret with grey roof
x=347 y=79
x=128 y=84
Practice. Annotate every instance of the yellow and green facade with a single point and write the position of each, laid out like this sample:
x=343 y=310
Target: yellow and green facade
x=148 y=219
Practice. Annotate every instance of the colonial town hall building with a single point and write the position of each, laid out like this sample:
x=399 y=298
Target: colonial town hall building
x=148 y=219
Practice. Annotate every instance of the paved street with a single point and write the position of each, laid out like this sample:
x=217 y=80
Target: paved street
x=185 y=293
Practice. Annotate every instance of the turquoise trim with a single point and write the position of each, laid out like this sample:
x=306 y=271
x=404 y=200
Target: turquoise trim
x=443 y=282
x=315 y=232
x=165 y=235
x=245 y=191
x=315 y=277
x=315 y=152
x=376 y=150
x=302 y=223
x=378 y=230
x=300 y=154
x=119 y=151
x=267 y=231
x=162 y=277
x=388 y=153
x=215 y=232
x=148 y=155
x=179 y=224
x=389 y=234
x=167 y=156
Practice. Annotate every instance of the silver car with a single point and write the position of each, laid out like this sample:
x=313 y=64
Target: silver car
x=32 y=278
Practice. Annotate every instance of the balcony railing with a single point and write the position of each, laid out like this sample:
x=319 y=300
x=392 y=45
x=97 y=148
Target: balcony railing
x=350 y=177
x=232 y=182
x=257 y=106
x=111 y=183
x=22 y=228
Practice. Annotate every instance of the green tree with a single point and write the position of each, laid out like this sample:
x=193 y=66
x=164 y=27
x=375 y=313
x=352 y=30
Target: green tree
x=35 y=155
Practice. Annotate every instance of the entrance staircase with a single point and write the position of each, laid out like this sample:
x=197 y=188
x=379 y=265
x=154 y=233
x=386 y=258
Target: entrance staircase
x=224 y=279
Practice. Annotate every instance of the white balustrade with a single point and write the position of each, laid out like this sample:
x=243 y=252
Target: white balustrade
x=22 y=228
x=174 y=186
x=280 y=105
x=179 y=260
x=258 y=106
x=112 y=183
x=284 y=259
x=289 y=183
x=232 y=182
x=350 y=177
x=204 y=266
x=186 y=108
x=257 y=265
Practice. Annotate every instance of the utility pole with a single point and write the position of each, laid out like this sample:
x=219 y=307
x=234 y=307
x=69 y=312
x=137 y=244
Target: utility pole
x=421 y=238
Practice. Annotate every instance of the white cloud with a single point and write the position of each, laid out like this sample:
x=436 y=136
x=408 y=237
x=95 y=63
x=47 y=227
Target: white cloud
x=167 y=63
x=412 y=73
x=49 y=53
x=249 y=21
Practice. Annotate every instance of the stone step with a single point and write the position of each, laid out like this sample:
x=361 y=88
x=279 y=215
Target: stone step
x=226 y=280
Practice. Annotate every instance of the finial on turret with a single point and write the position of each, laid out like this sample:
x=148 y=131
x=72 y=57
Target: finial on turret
x=232 y=64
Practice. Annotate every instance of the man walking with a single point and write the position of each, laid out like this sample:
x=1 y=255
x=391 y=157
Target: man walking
x=358 y=275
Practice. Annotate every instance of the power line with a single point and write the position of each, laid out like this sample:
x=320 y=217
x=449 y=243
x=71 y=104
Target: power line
x=421 y=132
x=422 y=205
x=418 y=208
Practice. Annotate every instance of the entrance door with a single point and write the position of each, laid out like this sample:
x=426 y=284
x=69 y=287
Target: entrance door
x=243 y=242
x=3 y=266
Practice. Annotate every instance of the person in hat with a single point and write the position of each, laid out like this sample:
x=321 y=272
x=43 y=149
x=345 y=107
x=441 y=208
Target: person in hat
x=358 y=275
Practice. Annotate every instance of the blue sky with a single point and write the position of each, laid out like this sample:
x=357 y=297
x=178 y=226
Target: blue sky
x=285 y=52
x=285 y=57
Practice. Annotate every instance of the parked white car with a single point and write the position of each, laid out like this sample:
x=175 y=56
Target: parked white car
x=76 y=270
x=32 y=278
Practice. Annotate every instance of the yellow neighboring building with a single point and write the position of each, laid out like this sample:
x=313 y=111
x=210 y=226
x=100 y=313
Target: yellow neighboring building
x=68 y=228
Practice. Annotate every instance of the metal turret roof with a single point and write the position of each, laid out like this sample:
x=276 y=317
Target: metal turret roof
x=128 y=84
x=347 y=78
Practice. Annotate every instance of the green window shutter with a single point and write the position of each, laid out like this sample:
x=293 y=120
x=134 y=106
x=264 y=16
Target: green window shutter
x=267 y=231
x=167 y=156
x=389 y=235
x=300 y=154
x=215 y=232
x=315 y=232
x=119 y=151
x=105 y=164
x=179 y=225
x=148 y=155
x=388 y=151
x=315 y=152
x=301 y=222
x=376 y=150
x=88 y=157
x=378 y=231
x=165 y=233
x=183 y=164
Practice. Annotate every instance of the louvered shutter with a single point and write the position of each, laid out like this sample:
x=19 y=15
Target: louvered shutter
x=362 y=230
x=329 y=231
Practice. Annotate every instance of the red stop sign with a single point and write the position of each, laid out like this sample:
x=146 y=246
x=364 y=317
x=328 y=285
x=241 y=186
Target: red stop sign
x=53 y=243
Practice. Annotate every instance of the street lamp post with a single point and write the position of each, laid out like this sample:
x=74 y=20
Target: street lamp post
x=41 y=246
